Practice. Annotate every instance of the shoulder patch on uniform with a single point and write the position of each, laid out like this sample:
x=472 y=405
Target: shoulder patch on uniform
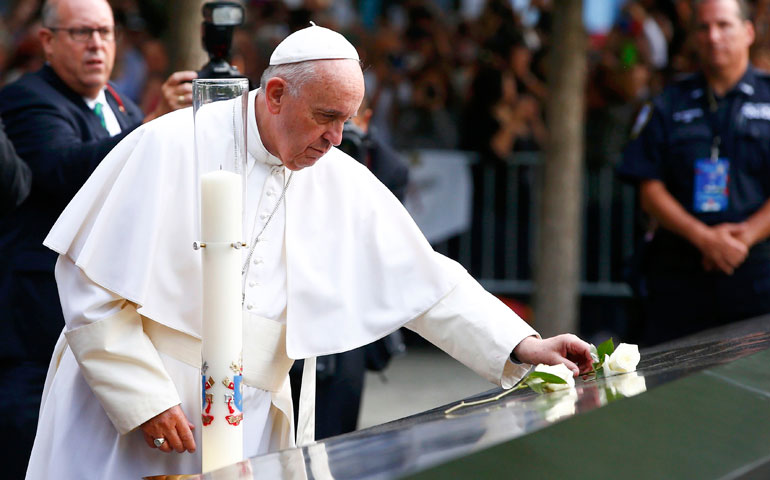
x=746 y=88
x=641 y=119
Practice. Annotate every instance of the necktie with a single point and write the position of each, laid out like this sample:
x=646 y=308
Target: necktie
x=100 y=114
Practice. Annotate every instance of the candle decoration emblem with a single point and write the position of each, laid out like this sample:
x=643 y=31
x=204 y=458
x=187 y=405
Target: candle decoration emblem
x=234 y=400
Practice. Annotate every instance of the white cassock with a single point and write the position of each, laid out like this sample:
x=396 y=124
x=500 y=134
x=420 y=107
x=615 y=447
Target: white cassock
x=341 y=265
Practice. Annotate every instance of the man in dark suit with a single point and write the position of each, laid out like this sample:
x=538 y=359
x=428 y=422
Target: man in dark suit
x=63 y=120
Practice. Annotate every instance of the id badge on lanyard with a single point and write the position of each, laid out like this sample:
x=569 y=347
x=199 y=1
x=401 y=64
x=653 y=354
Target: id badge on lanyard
x=711 y=174
x=711 y=177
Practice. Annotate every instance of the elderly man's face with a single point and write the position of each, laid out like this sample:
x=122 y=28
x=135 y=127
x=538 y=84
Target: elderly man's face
x=723 y=37
x=311 y=123
x=84 y=65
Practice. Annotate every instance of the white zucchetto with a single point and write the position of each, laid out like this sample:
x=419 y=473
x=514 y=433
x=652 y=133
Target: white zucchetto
x=313 y=43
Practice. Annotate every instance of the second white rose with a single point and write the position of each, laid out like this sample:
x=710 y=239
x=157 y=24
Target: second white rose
x=624 y=359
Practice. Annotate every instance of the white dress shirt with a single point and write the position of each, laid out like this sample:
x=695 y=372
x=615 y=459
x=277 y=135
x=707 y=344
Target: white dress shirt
x=110 y=120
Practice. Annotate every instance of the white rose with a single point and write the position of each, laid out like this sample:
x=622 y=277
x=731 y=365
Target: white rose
x=624 y=359
x=560 y=371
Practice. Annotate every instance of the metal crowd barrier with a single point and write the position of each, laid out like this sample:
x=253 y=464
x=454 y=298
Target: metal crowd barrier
x=499 y=247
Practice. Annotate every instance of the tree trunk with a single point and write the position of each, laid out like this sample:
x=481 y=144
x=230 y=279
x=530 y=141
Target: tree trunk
x=558 y=261
x=183 y=40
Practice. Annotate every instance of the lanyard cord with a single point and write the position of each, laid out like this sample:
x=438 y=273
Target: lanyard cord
x=713 y=119
x=117 y=98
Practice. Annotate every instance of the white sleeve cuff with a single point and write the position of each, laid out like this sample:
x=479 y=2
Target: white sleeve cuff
x=116 y=358
x=123 y=369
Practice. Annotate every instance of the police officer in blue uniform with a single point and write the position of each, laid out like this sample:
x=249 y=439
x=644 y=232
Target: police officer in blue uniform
x=700 y=155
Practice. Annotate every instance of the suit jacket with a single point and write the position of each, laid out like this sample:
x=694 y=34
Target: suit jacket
x=62 y=141
x=15 y=177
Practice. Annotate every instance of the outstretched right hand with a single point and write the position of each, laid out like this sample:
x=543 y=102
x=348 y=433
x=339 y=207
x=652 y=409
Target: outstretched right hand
x=566 y=348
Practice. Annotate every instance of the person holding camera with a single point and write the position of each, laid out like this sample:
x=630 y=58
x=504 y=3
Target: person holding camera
x=63 y=119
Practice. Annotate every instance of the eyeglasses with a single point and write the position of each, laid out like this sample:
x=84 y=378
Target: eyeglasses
x=83 y=34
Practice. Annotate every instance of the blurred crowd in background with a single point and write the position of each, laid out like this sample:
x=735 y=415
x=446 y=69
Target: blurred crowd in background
x=467 y=74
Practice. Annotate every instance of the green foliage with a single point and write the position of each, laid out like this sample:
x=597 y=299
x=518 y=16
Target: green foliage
x=605 y=348
x=547 y=377
x=536 y=386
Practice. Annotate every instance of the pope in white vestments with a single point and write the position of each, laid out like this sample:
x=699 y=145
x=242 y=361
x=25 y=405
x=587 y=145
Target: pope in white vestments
x=339 y=265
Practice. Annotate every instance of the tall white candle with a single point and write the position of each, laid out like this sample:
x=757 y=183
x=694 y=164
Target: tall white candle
x=222 y=435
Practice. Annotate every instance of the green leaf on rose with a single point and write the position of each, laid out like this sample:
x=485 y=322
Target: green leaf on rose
x=547 y=377
x=605 y=348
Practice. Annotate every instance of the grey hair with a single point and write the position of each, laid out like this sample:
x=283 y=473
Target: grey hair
x=296 y=75
x=744 y=11
x=49 y=15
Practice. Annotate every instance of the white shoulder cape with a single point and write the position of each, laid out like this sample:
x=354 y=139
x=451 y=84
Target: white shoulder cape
x=357 y=265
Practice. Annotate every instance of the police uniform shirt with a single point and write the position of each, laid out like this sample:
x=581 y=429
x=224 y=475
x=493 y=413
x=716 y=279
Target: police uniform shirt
x=678 y=127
